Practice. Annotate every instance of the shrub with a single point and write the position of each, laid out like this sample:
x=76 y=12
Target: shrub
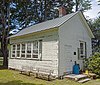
x=93 y=63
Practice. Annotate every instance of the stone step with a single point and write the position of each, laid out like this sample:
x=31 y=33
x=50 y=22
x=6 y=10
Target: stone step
x=84 y=80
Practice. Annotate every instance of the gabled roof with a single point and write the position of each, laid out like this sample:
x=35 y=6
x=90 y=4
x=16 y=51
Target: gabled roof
x=52 y=24
x=45 y=25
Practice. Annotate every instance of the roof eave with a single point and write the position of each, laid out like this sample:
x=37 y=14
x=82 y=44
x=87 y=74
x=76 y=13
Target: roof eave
x=14 y=36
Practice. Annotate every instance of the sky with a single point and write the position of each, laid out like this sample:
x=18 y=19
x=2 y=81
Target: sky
x=93 y=13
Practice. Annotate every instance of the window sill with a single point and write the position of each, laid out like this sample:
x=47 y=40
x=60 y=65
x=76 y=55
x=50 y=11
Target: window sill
x=27 y=59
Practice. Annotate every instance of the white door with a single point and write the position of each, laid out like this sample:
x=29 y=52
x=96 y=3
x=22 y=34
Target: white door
x=68 y=58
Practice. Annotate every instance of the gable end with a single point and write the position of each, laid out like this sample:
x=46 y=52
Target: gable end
x=82 y=18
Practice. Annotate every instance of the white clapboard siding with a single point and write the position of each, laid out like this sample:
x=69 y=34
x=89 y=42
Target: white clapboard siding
x=49 y=53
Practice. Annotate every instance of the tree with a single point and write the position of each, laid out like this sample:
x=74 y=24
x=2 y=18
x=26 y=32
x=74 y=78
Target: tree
x=16 y=14
x=4 y=29
x=49 y=8
x=96 y=31
x=95 y=27
x=37 y=11
x=23 y=13
x=13 y=14
x=69 y=6
x=82 y=5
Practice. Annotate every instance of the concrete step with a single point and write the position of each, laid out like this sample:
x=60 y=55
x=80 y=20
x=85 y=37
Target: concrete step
x=84 y=80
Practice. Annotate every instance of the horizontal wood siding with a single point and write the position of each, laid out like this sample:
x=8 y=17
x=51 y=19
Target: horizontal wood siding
x=18 y=63
x=49 y=52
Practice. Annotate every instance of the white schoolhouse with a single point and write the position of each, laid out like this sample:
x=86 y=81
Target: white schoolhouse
x=54 y=44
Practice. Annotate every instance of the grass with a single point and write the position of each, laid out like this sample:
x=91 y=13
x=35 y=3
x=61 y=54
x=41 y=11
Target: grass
x=10 y=77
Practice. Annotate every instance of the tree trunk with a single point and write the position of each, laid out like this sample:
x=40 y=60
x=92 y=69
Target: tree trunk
x=4 y=44
x=45 y=11
x=5 y=59
x=5 y=32
x=77 y=4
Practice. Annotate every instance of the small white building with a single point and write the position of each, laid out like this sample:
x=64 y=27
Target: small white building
x=54 y=44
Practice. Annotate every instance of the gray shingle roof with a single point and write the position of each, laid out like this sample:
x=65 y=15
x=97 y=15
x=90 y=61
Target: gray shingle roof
x=45 y=25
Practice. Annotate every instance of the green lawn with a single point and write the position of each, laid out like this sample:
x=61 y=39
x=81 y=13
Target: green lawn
x=10 y=77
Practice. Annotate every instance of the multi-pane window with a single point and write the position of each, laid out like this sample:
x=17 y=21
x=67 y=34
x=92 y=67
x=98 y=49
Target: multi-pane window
x=35 y=49
x=82 y=50
x=28 y=50
x=13 y=50
x=18 y=50
x=23 y=50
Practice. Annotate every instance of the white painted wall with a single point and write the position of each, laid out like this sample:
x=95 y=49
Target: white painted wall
x=49 y=52
x=70 y=33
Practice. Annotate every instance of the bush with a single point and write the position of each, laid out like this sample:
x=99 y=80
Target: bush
x=93 y=63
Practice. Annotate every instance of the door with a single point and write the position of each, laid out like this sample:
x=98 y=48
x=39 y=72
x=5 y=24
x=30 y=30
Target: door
x=68 y=58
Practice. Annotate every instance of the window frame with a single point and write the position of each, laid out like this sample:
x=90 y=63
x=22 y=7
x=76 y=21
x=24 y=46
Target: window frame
x=84 y=48
x=23 y=50
x=13 y=50
x=35 y=49
x=18 y=50
x=27 y=50
x=38 y=49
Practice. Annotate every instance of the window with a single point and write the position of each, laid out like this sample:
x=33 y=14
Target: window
x=82 y=50
x=23 y=50
x=28 y=50
x=35 y=49
x=13 y=47
x=40 y=49
x=18 y=50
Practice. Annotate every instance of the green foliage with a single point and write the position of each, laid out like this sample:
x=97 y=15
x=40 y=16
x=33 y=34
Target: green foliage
x=82 y=5
x=93 y=63
x=28 y=12
x=95 y=27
